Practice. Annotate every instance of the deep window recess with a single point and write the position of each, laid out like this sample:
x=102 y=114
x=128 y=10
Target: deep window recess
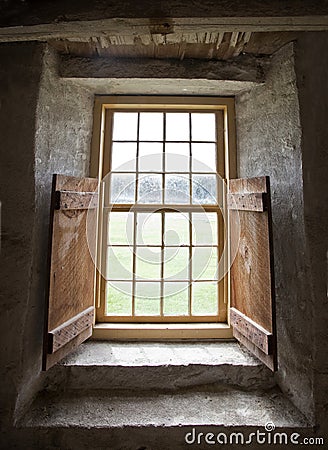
x=161 y=223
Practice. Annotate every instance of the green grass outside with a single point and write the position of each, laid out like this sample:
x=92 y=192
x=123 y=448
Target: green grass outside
x=204 y=300
x=147 y=300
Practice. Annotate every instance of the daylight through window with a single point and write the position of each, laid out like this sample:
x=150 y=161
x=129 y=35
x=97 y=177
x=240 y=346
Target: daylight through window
x=163 y=217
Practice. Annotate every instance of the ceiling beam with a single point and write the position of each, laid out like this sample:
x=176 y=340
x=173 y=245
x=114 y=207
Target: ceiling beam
x=242 y=68
x=110 y=27
x=37 y=12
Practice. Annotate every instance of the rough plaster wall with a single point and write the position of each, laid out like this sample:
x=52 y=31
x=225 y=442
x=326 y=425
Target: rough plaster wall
x=62 y=145
x=64 y=125
x=45 y=127
x=269 y=143
x=20 y=72
x=312 y=75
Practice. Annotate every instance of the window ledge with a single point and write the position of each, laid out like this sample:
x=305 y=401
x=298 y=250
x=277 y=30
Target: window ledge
x=157 y=386
x=140 y=366
x=125 y=416
x=110 y=353
x=158 y=331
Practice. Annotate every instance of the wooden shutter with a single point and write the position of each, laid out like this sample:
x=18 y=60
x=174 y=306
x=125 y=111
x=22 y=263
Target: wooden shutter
x=70 y=293
x=252 y=312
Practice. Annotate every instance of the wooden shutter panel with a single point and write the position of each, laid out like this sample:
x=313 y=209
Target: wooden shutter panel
x=70 y=294
x=252 y=312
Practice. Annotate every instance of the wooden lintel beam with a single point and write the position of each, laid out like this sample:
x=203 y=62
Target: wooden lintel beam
x=242 y=68
x=110 y=27
x=75 y=12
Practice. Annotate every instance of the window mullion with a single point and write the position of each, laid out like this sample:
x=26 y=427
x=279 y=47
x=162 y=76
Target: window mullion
x=135 y=225
x=163 y=217
x=162 y=266
x=190 y=266
x=190 y=223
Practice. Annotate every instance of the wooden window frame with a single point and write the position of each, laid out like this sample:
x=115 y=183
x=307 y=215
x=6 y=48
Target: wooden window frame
x=100 y=160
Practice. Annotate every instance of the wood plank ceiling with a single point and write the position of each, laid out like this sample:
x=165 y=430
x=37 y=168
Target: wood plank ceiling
x=218 y=46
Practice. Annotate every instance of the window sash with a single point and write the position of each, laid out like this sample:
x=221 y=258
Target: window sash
x=162 y=208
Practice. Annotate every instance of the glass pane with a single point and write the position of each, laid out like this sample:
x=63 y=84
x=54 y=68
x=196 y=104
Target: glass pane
x=149 y=229
x=120 y=228
x=122 y=188
x=177 y=157
x=176 y=189
x=147 y=299
x=151 y=126
x=119 y=263
x=118 y=298
x=124 y=156
x=148 y=263
x=125 y=126
x=176 y=299
x=204 y=229
x=176 y=229
x=204 y=299
x=177 y=127
x=176 y=263
x=203 y=157
x=150 y=189
x=150 y=157
x=203 y=127
x=205 y=263
x=204 y=189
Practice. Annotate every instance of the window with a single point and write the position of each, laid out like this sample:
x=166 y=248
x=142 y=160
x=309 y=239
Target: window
x=175 y=214
x=163 y=165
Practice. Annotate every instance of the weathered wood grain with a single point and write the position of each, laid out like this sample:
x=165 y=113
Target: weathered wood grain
x=250 y=271
x=162 y=18
x=63 y=334
x=269 y=360
x=251 y=330
x=207 y=46
x=52 y=358
x=247 y=202
x=75 y=184
x=255 y=185
x=71 y=274
x=76 y=200
x=252 y=281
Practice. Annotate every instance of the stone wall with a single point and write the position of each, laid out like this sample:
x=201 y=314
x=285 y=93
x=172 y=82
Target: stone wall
x=269 y=139
x=45 y=128
x=20 y=73
x=62 y=145
x=312 y=75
